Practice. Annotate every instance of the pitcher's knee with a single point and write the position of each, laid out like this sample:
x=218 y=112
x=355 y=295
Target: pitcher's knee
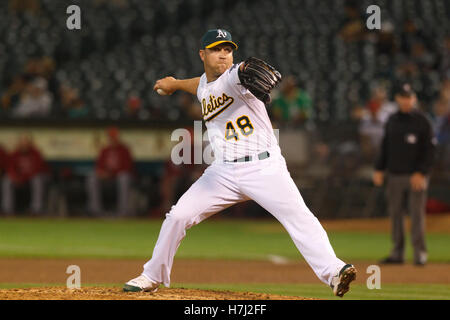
x=178 y=216
x=184 y=216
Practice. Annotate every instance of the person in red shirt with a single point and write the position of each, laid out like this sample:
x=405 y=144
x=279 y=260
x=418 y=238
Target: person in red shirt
x=3 y=160
x=25 y=165
x=114 y=165
x=177 y=178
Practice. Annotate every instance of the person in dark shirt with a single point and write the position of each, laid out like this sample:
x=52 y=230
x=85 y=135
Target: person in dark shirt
x=114 y=165
x=406 y=157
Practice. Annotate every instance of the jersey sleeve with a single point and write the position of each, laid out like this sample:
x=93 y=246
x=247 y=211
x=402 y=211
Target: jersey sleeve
x=200 y=86
x=381 y=160
x=427 y=147
x=235 y=82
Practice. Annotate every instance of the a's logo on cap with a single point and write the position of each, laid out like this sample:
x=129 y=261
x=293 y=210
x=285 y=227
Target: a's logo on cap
x=221 y=34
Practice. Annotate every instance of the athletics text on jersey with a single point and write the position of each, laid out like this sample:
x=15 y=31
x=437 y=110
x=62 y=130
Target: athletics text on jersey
x=237 y=122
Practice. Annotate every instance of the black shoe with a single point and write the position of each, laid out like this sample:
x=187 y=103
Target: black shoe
x=420 y=263
x=390 y=260
x=341 y=282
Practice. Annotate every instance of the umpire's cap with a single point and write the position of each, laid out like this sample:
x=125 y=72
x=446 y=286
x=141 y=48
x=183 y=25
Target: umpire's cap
x=214 y=37
x=405 y=90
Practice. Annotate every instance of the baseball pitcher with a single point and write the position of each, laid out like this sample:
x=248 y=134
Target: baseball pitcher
x=248 y=165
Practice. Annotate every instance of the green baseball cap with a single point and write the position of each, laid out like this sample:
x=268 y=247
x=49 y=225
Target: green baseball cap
x=214 y=37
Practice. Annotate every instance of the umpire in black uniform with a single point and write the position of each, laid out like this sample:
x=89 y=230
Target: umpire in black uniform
x=405 y=160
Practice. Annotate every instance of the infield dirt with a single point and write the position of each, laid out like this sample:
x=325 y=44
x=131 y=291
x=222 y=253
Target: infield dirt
x=49 y=271
x=99 y=293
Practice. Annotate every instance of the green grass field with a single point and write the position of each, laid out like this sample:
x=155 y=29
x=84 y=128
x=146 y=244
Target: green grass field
x=217 y=239
x=358 y=292
x=214 y=239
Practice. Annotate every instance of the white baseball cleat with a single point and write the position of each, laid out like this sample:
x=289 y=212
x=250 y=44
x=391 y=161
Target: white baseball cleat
x=141 y=283
x=341 y=282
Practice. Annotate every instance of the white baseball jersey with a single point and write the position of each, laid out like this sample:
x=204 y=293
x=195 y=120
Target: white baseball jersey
x=238 y=126
x=237 y=122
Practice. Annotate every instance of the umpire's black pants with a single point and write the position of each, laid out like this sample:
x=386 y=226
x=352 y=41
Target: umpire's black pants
x=398 y=187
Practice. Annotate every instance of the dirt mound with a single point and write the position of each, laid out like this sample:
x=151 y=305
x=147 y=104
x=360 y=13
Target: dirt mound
x=98 y=293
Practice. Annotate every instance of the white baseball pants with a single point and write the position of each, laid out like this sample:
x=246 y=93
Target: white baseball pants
x=268 y=183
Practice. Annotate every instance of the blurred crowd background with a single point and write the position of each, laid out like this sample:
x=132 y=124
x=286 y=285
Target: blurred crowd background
x=336 y=95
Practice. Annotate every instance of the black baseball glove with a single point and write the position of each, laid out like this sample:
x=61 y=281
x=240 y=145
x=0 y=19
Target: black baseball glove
x=259 y=78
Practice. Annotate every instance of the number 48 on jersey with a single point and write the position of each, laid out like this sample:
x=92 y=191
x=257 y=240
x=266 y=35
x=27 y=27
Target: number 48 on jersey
x=243 y=124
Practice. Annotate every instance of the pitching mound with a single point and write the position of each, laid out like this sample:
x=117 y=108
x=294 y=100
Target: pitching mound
x=98 y=293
